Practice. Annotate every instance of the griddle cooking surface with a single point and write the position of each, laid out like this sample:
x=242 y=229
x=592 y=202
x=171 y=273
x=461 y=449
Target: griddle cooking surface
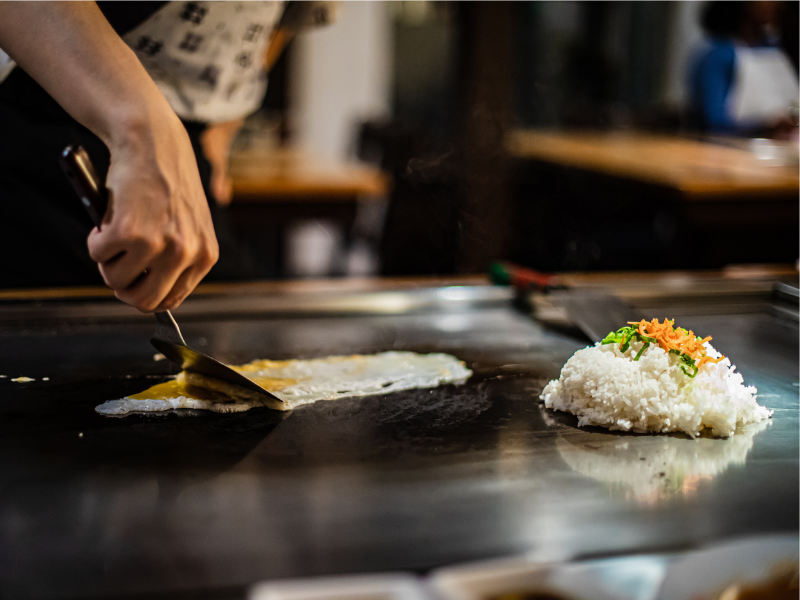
x=205 y=504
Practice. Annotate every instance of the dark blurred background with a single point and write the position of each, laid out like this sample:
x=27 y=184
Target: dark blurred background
x=561 y=136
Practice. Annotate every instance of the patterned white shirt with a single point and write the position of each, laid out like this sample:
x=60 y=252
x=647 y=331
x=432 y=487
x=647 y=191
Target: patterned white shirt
x=207 y=57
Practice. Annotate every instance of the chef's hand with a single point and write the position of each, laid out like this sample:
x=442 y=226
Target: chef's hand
x=157 y=241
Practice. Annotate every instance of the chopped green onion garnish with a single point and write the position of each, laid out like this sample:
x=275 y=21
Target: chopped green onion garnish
x=631 y=334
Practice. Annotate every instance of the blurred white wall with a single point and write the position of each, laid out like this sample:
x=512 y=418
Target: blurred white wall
x=687 y=36
x=341 y=75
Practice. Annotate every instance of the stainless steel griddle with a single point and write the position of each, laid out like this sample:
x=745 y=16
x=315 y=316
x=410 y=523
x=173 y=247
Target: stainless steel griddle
x=201 y=505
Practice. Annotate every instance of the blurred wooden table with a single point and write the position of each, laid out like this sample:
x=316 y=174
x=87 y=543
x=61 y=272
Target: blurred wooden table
x=291 y=175
x=276 y=188
x=697 y=170
x=672 y=202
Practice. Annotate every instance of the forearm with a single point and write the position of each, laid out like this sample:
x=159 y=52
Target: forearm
x=158 y=241
x=74 y=54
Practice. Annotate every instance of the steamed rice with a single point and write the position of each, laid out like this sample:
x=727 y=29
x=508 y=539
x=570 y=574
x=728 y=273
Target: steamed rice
x=603 y=386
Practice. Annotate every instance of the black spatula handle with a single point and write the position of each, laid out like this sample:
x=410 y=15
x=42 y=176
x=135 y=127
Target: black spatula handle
x=80 y=171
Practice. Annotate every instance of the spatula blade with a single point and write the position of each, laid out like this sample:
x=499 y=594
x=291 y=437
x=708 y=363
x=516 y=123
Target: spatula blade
x=197 y=362
x=595 y=313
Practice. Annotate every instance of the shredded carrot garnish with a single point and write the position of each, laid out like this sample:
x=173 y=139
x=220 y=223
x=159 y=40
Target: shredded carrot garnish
x=680 y=341
x=704 y=359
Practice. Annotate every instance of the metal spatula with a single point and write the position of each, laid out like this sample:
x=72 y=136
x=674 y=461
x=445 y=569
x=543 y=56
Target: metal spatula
x=595 y=313
x=167 y=338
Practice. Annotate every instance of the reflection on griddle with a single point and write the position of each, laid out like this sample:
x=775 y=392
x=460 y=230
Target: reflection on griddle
x=655 y=467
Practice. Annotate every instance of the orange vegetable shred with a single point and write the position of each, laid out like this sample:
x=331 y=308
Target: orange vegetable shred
x=681 y=340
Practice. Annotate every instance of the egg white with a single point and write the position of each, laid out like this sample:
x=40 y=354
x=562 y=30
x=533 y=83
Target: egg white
x=298 y=382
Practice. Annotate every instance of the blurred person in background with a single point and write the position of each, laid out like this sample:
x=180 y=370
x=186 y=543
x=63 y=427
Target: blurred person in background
x=155 y=92
x=742 y=82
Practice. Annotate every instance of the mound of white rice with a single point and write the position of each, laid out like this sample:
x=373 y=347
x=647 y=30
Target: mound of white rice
x=603 y=386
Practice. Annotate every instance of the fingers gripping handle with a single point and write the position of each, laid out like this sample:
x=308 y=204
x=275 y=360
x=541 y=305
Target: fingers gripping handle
x=80 y=171
x=94 y=195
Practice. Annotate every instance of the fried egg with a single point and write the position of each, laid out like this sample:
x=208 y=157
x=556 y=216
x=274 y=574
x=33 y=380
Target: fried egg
x=297 y=382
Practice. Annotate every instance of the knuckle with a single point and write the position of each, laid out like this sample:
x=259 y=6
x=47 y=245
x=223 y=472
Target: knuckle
x=206 y=263
x=146 y=244
x=211 y=254
x=179 y=249
x=136 y=239
x=203 y=266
